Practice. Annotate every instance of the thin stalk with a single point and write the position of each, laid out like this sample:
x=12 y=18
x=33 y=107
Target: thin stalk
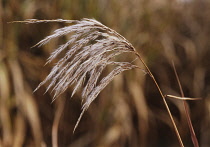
x=164 y=100
x=192 y=132
x=58 y=114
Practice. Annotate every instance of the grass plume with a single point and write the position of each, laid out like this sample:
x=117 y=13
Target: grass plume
x=91 y=47
x=89 y=50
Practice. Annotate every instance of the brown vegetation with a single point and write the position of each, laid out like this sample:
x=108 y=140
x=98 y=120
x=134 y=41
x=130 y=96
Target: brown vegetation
x=129 y=111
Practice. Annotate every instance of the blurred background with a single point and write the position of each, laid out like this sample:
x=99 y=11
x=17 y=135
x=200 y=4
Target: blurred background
x=129 y=112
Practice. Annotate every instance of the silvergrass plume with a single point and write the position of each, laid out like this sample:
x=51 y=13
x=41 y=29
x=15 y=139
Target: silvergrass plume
x=91 y=47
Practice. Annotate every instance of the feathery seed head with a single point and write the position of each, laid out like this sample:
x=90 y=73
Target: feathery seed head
x=90 y=48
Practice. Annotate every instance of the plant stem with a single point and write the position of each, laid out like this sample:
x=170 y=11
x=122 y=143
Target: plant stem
x=192 y=132
x=164 y=100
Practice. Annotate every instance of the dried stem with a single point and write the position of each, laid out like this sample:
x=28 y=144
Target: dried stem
x=192 y=132
x=164 y=100
x=58 y=114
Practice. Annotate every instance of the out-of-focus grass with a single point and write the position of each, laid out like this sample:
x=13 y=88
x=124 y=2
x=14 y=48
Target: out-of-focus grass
x=129 y=112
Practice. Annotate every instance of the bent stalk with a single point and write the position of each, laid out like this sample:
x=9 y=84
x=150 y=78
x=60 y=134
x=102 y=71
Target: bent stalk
x=164 y=100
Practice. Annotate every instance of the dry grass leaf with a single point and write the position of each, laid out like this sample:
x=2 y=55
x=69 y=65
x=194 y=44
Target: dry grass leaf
x=26 y=103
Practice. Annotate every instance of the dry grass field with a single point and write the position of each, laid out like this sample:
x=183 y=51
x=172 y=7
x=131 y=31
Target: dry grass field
x=129 y=111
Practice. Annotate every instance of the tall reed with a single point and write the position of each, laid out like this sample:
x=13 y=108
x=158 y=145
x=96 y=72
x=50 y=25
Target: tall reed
x=91 y=47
